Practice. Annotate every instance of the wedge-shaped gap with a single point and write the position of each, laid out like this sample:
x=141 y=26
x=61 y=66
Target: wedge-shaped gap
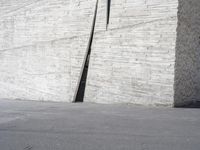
x=80 y=92
x=108 y=13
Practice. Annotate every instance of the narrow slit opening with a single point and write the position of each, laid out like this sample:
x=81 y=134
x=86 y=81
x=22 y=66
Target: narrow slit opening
x=80 y=93
x=108 y=13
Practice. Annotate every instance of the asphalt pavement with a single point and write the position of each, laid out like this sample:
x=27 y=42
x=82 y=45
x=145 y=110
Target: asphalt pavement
x=29 y=125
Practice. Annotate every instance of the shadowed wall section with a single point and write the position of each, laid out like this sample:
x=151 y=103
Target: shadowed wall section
x=187 y=68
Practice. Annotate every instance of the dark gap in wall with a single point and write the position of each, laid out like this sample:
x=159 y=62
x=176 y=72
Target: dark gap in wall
x=79 y=97
x=108 y=13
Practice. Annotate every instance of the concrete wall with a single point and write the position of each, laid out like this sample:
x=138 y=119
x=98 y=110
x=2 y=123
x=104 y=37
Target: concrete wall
x=187 y=73
x=133 y=61
x=43 y=43
x=42 y=46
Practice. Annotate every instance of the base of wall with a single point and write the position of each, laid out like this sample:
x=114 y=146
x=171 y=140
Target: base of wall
x=194 y=104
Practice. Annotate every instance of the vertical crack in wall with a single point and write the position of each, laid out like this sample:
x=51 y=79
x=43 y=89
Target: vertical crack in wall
x=108 y=13
x=80 y=92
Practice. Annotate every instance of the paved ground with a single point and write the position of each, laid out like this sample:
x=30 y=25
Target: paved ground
x=62 y=126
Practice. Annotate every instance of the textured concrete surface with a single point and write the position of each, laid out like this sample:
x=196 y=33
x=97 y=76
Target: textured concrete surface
x=42 y=47
x=43 y=42
x=133 y=61
x=28 y=125
x=187 y=68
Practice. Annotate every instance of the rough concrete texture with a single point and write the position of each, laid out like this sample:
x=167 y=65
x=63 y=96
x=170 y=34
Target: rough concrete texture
x=133 y=61
x=63 y=126
x=187 y=73
x=42 y=46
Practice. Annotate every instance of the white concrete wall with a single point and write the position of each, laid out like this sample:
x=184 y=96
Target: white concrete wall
x=133 y=61
x=42 y=44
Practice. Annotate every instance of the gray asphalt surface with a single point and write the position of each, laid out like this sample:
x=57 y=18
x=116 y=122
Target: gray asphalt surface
x=28 y=125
